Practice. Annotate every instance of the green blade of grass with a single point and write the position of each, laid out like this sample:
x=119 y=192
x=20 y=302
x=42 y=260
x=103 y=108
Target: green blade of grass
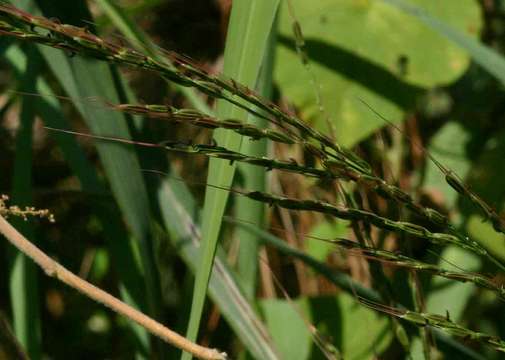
x=489 y=59
x=178 y=207
x=223 y=287
x=49 y=110
x=23 y=276
x=141 y=41
x=121 y=166
x=83 y=78
x=248 y=31
x=247 y=209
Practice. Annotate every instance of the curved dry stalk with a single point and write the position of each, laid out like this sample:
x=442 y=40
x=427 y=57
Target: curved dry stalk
x=54 y=269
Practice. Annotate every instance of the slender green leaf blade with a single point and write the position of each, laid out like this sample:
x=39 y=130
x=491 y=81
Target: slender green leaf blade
x=83 y=78
x=247 y=209
x=49 y=110
x=176 y=204
x=248 y=31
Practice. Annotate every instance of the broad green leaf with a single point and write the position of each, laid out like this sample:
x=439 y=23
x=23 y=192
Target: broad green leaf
x=483 y=232
x=373 y=327
x=451 y=296
x=325 y=230
x=368 y=50
x=488 y=58
x=288 y=327
x=342 y=322
x=448 y=146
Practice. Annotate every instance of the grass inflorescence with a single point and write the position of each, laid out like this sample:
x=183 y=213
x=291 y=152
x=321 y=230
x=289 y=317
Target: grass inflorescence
x=334 y=163
x=334 y=158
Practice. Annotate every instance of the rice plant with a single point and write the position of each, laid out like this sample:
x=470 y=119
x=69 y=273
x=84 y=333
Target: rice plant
x=396 y=256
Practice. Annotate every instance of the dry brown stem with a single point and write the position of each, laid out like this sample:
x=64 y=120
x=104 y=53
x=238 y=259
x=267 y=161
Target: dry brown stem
x=54 y=269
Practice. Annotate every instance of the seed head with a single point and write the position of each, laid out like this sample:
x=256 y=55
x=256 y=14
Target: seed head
x=28 y=211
